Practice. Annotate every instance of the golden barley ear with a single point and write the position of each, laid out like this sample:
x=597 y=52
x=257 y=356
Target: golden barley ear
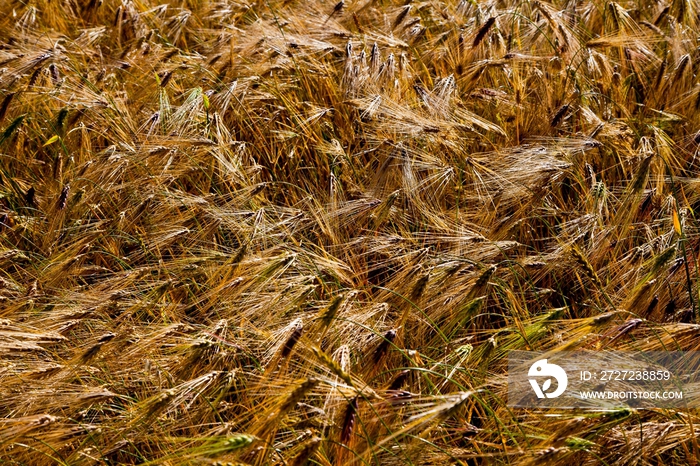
x=307 y=452
x=585 y=265
x=5 y=105
x=483 y=30
x=292 y=340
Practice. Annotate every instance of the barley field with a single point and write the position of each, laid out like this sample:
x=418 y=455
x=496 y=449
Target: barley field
x=296 y=232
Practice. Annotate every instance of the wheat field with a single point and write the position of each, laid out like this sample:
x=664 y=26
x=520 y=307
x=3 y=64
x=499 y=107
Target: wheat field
x=295 y=232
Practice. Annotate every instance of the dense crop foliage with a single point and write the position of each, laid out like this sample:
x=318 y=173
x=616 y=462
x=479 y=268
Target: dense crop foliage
x=290 y=231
